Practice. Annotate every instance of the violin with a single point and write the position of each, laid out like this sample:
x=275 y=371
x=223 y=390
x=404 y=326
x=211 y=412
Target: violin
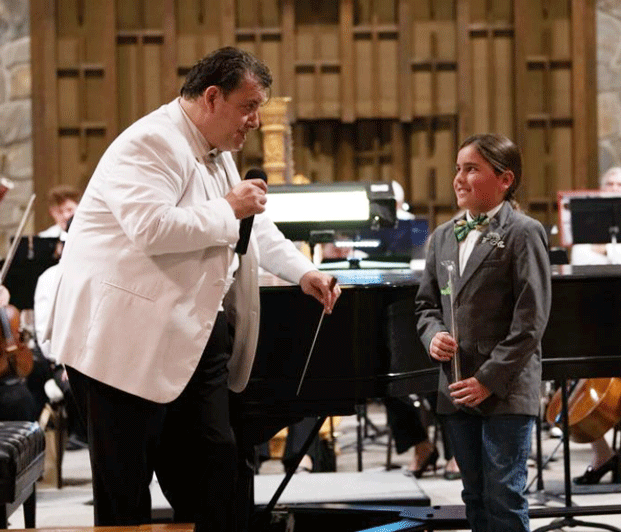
x=15 y=357
x=593 y=408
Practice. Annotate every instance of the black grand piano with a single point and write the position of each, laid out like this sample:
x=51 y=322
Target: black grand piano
x=368 y=348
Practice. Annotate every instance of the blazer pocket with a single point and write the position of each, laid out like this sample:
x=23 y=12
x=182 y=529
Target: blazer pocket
x=125 y=322
x=132 y=291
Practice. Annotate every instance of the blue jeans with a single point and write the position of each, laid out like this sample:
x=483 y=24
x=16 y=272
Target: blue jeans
x=492 y=454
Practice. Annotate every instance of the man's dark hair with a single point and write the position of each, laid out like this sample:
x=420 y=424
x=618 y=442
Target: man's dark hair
x=224 y=68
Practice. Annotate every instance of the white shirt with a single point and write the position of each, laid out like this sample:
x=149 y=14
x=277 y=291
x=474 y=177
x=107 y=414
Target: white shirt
x=43 y=300
x=216 y=188
x=51 y=232
x=467 y=244
x=586 y=254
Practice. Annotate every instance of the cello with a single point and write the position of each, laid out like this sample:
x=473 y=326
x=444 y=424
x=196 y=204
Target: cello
x=15 y=356
x=593 y=408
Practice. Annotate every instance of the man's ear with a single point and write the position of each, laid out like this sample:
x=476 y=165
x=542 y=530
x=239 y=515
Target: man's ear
x=210 y=95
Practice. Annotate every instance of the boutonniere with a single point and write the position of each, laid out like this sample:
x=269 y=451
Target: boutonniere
x=494 y=240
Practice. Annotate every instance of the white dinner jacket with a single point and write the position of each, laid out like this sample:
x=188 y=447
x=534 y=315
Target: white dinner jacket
x=143 y=270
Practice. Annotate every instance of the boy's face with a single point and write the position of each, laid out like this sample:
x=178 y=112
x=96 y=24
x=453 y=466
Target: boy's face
x=477 y=187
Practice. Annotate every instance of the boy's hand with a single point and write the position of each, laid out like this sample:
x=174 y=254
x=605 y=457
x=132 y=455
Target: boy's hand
x=443 y=347
x=469 y=392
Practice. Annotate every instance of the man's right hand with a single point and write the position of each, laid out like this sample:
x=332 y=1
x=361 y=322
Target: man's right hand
x=248 y=198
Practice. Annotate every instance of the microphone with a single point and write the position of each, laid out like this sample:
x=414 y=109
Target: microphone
x=246 y=224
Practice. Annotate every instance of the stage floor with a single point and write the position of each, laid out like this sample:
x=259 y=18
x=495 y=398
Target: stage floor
x=373 y=486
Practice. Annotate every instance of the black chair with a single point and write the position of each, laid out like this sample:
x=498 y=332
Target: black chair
x=22 y=456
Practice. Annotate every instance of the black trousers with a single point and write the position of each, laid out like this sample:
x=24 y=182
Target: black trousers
x=189 y=443
x=405 y=423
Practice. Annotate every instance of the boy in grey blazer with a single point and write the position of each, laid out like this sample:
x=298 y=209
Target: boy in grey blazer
x=499 y=304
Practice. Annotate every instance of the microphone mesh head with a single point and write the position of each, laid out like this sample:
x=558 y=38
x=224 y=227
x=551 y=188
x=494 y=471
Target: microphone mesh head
x=256 y=173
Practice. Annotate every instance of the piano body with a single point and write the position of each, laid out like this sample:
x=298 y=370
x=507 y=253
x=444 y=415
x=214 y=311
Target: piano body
x=365 y=349
x=368 y=348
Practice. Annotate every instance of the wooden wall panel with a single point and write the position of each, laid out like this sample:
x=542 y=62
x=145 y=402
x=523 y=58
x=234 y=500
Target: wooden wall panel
x=365 y=82
x=432 y=168
x=387 y=69
x=380 y=90
x=504 y=88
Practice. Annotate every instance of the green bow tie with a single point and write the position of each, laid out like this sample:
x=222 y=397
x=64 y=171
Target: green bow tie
x=463 y=227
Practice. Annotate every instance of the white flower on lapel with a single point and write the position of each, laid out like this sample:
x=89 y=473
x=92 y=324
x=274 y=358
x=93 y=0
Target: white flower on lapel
x=494 y=240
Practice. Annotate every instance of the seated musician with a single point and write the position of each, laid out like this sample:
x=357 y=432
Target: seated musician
x=604 y=459
x=52 y=383
x=62 y=203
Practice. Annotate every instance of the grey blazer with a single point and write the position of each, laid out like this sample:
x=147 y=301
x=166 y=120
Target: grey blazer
x=502 y=303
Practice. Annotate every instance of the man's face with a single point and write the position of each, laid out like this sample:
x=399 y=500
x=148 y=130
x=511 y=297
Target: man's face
x=234 y=115
x=61 y=213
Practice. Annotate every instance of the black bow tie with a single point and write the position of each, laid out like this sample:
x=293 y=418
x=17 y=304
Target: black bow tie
x=463 y=227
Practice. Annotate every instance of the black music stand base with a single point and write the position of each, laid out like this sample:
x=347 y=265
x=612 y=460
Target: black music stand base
x=571 y=522
x=540 y=495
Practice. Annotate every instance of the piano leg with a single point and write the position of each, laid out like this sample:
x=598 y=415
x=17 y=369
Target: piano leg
x=265 y=514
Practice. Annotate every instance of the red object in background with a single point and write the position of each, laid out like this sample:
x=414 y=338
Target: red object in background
x=5 y=186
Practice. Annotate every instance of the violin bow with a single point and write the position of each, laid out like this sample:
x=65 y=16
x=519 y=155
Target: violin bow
x=15 y=243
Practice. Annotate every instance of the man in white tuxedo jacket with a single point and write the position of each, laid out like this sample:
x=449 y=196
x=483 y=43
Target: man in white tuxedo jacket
x=149 y=285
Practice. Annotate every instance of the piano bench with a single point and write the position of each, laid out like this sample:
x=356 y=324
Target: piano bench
x=22 y=456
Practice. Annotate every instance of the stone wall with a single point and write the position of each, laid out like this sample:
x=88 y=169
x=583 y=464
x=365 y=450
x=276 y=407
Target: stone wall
x=609 y=83
x=15 y=115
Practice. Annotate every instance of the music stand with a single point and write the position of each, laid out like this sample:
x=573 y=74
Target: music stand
x=33 y=256
x=595 y=219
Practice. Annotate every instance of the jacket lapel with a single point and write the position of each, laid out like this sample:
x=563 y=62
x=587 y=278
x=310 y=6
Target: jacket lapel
x=452 y=251
x=483 y=249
